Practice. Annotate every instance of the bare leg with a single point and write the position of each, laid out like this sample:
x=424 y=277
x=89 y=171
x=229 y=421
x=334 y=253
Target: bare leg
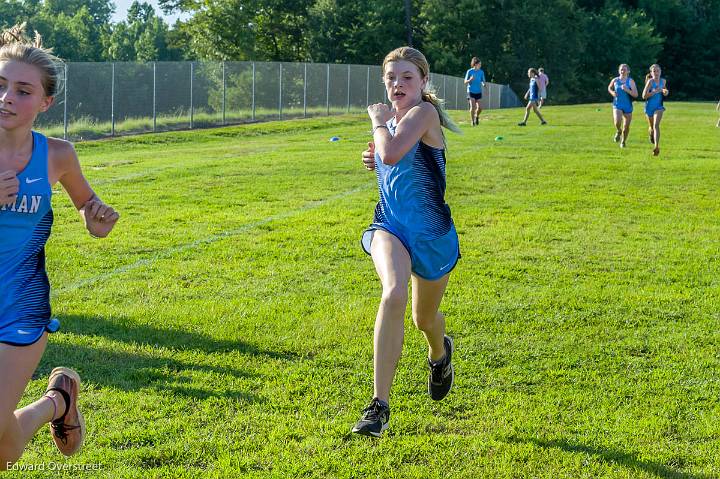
x=657 y=118
x=626 y=127
x=426 y=298
x=537 y=112
x=392 y=263
x=529 y=107
x=617 y=121
x=17 y=427
x=651 y=132
x=471 y=102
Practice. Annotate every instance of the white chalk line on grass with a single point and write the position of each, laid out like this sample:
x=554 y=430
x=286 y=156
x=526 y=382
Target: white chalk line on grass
x=201 y=242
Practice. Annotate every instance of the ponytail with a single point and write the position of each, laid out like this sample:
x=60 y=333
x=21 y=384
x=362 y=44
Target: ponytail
x=445 y=120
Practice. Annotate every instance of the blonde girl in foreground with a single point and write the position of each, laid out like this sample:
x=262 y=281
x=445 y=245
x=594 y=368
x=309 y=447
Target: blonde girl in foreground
x=412 y=238
x=30 y=164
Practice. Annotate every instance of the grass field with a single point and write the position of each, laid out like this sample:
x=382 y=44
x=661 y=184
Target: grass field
x=225 y=328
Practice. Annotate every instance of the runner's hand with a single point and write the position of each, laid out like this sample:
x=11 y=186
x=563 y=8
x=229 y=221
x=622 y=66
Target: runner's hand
x=99 y=217
x=368 y=157
x=9 y=187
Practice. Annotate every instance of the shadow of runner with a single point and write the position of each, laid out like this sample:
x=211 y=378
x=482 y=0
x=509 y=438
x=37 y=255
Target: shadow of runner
x=165 y=360
x=610 y=455
x=128 y=331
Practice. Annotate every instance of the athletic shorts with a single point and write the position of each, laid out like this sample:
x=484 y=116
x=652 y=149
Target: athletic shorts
x=430 y=259
x=543 y=94
x=651 y=113
x=474 y=96
x=15 y=334
x=625 y=109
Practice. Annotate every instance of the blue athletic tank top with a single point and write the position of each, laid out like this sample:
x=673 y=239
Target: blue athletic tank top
x=412 y=193
x=24 y=229
x=623 y=100
x=534 y=93
x=655 y=102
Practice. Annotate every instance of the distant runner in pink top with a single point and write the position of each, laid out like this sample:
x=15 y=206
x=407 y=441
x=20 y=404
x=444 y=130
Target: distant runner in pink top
x=543 y=81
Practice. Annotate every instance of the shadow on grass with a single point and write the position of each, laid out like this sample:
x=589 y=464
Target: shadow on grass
x=612 y=456
x=165 y=360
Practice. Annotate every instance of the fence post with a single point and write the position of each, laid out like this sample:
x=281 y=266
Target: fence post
x=224 y=93
x=112 y=101
x=280 y=95
x=65 y=113
x=444 y=89
x=457 y=83
x=327 y=89
x=253 y=91
x=305 y=90
x=367 y=87
x=348 y=90
x=154 y=96
x=192 y=107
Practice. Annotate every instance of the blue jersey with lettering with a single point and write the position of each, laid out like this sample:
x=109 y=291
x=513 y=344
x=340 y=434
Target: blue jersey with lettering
x=24 y=229
x=655 y=102
x=475 y=86
x=622 y=100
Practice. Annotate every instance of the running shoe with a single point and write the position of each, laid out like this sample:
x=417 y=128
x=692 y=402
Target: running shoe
x=617 y=136
x=442 y=373
x=68 y=430
x=374 y=419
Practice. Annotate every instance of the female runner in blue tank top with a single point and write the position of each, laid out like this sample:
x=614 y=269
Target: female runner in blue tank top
x=654 y=94
x=533 y=97
x=29 y=165
x=412 y=237
x=623 y=90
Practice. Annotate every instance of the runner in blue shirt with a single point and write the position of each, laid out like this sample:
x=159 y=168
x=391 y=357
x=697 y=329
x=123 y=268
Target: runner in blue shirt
x=623 y=90
x=654 y=94
x=475 y=81
x=412 y=238
x=29 y=165
x=532 y=96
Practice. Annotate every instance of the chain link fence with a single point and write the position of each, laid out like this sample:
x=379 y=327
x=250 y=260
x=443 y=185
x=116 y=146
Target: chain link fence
x=109 y=99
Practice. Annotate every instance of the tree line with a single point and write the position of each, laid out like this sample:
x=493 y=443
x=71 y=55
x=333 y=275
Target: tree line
x=579 y=42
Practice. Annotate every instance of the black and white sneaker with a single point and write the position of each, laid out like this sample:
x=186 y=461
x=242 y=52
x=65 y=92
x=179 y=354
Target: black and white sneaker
x=374 y=419
x=617 y=136
x=442 y=374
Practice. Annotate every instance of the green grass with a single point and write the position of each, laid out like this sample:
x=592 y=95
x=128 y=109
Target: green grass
x=87 y=128
x=225 y=328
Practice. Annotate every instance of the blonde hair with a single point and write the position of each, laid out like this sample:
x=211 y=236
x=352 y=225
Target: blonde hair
x=428 y=94
x=649 y=75
x=16 y=46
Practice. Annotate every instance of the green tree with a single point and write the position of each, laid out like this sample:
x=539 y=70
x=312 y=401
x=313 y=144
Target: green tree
x=142 y=37
x=616 y=35
x=355 y=32
x=71 y=37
